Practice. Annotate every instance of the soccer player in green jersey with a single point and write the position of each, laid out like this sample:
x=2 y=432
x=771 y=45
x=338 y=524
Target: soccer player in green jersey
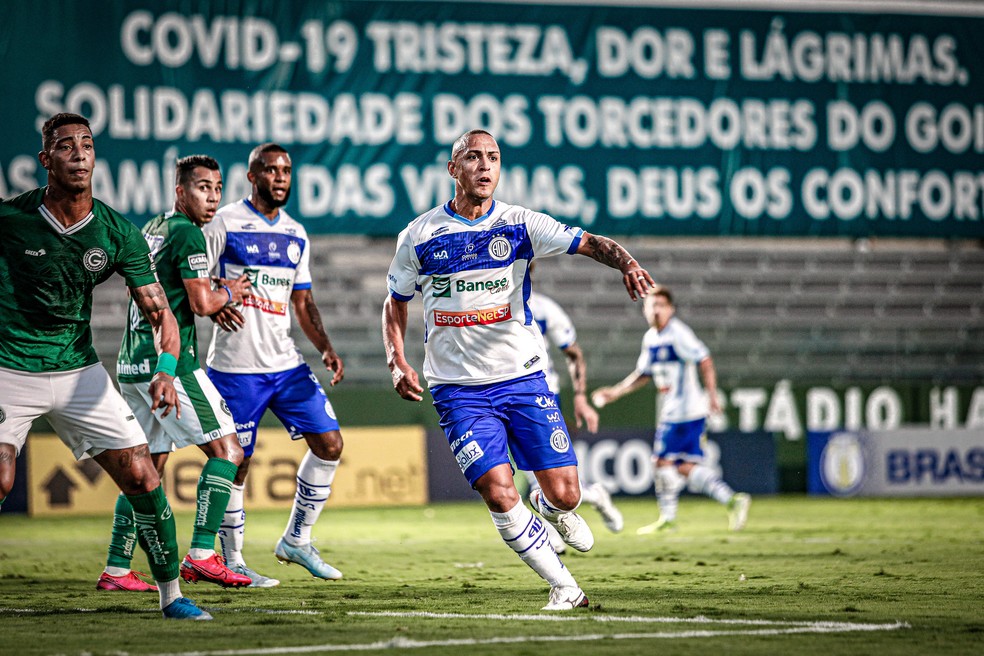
x=178 y=247
x=56 y=244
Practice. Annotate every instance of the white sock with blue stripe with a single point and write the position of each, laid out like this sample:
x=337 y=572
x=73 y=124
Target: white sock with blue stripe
x=314 y=478
x=232 y=531
x=523 y=532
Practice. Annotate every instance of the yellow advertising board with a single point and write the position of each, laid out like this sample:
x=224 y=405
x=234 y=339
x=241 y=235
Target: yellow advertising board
x=380 y=466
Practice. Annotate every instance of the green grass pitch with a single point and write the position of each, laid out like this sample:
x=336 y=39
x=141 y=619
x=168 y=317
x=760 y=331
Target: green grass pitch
x=807 y=576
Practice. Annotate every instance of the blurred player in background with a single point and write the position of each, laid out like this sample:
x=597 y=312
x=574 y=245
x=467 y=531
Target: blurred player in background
x=557 y=328
x=178 y=247
x=485 y=356
x=255 y=364
x=56 y=244
x=671 y=356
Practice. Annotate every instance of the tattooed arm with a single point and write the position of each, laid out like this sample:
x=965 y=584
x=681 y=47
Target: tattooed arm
x=308 y=317
x=637 y=280
x=152 y=301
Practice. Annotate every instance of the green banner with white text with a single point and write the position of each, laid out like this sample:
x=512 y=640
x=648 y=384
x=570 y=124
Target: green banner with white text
x=622 y=119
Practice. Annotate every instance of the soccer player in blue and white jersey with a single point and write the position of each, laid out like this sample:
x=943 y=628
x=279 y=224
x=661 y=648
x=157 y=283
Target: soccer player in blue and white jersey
x=470 y=259
x=255 y=364
x=558 y=329
x=671 y=357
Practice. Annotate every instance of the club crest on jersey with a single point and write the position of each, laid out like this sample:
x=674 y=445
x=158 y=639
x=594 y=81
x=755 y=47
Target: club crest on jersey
x=500 y=249
x=95 y=259
x=294 y=252
x=559 y=441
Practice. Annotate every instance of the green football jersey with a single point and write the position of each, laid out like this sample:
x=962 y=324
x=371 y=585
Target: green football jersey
x=47 y=274
x=178 y=248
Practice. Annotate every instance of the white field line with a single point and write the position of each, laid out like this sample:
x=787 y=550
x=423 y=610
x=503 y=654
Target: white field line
x=779 y=628
x=542 y=617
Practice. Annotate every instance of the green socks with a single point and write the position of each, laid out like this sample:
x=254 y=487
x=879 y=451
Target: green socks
x=156 y=532
x=124 y=535
x=214 y=488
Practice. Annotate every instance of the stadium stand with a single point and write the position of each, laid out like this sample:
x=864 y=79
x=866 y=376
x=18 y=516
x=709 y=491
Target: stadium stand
x=834 y=311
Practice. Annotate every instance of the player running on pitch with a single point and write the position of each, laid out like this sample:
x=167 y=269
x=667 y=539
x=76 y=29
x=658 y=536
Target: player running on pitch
x=671 y=356
x=470 y=258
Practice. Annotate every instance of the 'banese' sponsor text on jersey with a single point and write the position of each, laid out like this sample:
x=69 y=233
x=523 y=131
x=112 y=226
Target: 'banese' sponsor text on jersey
x=275 y=256
x=474 y=280
x=671 y=357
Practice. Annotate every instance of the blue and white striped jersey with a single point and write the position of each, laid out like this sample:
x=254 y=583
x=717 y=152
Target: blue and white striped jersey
x=275 y=255
x=474 y=279
x=671 y=356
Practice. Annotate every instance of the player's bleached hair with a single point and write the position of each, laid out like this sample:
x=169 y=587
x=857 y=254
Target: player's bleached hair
x=185 y=166
x=660 y=290
x=57 y=121
x=256 y=155
x=462 y=142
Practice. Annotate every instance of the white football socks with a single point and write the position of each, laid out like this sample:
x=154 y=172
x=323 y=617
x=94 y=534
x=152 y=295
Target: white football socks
x=233 y=528
x=169 y=591
x=705 y=481
x=523 y=532
x=314 y=478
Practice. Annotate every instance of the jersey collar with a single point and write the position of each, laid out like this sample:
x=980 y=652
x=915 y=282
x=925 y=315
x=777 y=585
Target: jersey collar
x=458 y=217
x=57 y=225
x=260 y=214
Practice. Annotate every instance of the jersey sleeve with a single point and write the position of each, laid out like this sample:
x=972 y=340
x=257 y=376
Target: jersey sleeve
x=302 y=274
x=190 y=253
x=560 y=328
x=689 y=347
x=134 y=262
x=645 y=362
x=215 y=243
x=551 y=237
x=402 y=276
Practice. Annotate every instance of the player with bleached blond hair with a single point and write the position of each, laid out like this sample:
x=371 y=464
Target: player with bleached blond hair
x=470 y=260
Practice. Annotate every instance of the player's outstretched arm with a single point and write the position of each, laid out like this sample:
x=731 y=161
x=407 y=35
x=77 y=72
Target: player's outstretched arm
x=637 y=280
x=309 y=318
x=605 y=395
x=405 y=379
x=709 y=375
x=584 y=414
x=152 y=301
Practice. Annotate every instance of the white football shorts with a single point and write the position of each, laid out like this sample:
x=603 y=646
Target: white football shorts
x=205 y=416
x=82 y=406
